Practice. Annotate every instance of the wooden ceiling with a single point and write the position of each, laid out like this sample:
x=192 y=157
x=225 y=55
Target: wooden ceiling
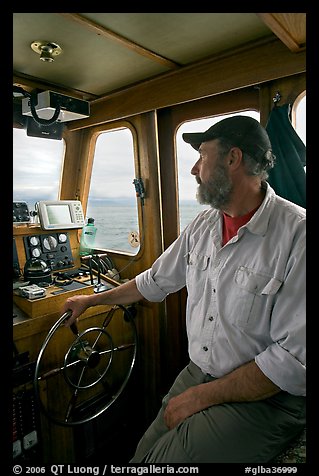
x=107 y=52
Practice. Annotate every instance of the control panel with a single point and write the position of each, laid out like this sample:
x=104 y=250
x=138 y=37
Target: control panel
x=25 y=426
x=53 y=248
x=25 y=418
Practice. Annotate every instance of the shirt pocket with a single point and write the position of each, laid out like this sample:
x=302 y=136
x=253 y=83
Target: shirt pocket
x=197 y=261
x=196 y=274
x=254 y=290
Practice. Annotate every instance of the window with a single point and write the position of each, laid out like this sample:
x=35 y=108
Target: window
x=37 y=165
x=112 y=197
x=186 y=158
x=300 y=116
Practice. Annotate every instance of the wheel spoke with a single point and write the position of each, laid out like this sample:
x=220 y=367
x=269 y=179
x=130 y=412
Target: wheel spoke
x=73 y=398
x=119 y=347
x=97 y=338
x=106 y=322
x=53 y=372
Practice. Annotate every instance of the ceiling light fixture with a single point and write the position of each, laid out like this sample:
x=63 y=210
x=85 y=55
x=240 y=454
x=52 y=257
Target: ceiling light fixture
x=47 y=50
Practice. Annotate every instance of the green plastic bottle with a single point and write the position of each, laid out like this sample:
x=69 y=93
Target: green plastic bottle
x=87 y=241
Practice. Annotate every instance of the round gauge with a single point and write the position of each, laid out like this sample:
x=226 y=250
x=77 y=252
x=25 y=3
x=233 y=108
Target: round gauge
x=34 y=240
x=36 y=252
x=50 y=243
x=62 y=238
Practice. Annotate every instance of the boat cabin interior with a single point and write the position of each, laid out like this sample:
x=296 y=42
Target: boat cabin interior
x=81 y=80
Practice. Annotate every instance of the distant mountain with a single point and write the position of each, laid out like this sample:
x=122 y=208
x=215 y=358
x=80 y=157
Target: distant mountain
x=116 y=201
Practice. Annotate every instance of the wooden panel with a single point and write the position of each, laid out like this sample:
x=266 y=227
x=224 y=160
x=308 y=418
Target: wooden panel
x=289 y=27
x=50 y=304
x=82 y=161
x=255 y=65
x=150 y=315
x=111 y=35
x=71 y=166
x=288 y=88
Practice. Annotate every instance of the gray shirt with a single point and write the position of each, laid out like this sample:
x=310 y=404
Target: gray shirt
x=246 y=299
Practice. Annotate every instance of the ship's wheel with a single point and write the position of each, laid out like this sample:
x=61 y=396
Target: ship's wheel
x=94 y=371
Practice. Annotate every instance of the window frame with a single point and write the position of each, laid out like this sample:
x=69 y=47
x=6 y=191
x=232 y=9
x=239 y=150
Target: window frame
x=94 y=134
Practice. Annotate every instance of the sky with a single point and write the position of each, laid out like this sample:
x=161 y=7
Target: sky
x=36 y=167
x=37 y=163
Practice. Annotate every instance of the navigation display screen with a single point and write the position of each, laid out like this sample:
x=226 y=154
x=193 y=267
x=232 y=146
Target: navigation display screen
x=59 y=214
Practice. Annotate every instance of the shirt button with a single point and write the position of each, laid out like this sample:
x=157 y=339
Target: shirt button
x=205 y=348
x=211 y=318
x=214 y=290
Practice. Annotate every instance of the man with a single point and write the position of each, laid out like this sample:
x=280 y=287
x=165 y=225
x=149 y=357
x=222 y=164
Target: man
x=241 y=399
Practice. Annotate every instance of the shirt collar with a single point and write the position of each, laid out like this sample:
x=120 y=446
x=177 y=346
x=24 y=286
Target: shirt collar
x=258 y=224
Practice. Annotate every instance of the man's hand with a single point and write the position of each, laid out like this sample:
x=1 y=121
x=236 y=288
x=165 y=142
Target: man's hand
x=181 y=407
x=126 y=293
x=244 y=384
x=77 y=305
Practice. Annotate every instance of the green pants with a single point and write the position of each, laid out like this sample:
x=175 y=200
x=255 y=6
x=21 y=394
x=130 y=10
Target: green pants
x=246 y=432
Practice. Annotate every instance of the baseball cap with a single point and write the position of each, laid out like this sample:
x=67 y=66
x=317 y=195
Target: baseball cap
x=241 y=131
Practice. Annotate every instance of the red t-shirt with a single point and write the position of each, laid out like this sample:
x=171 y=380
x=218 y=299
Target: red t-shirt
x=232 y=224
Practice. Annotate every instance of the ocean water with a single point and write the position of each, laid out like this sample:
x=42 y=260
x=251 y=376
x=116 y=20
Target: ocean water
x=116 y=223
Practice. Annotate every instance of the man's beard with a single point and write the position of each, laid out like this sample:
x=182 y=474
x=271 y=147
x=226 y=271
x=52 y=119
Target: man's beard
x=217 y=191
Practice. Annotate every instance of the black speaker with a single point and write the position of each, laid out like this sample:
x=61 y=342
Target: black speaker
x=53 y=131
